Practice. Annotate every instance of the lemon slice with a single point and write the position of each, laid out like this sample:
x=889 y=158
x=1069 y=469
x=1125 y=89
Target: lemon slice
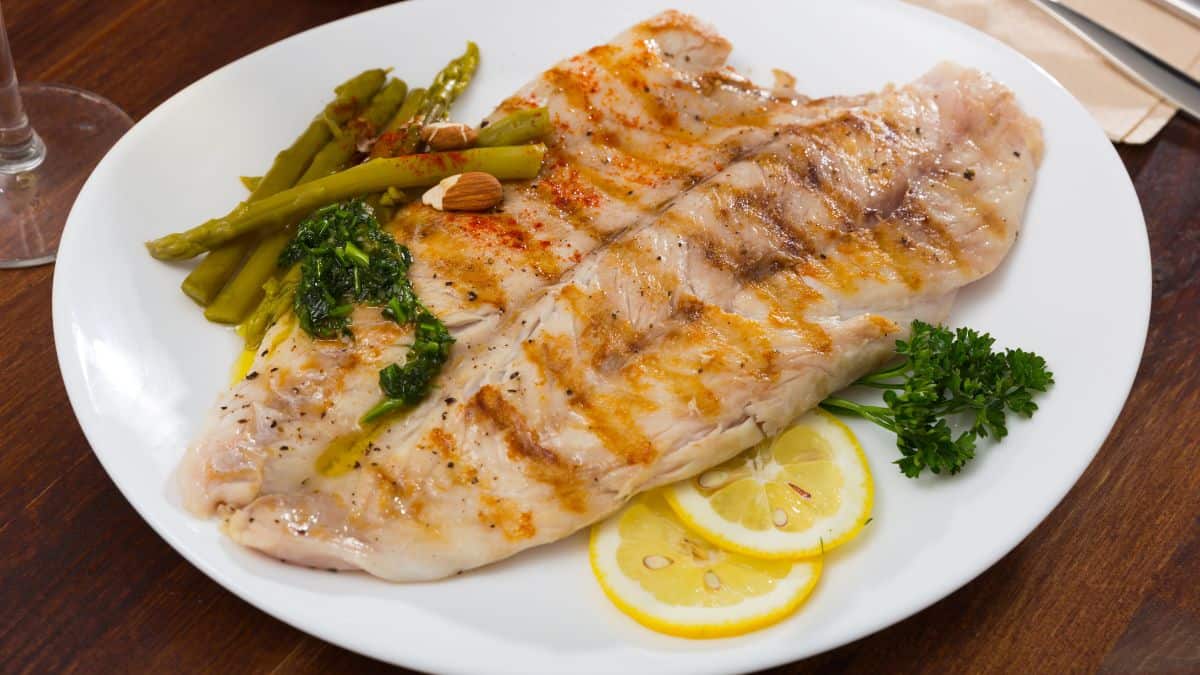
x=800 y=494
x=673 y=581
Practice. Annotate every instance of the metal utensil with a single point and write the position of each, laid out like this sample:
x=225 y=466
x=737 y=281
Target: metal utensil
x=1172 y=84
x=1184 y=9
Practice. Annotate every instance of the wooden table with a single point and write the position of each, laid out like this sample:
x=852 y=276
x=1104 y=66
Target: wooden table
x=1108 y=582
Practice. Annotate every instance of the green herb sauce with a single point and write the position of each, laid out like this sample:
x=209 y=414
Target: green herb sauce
x=346 y=259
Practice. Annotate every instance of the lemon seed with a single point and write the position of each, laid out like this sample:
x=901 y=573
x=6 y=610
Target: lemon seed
x=712 y=580
x=656 y=562
x=713 y=479
x=779 y=518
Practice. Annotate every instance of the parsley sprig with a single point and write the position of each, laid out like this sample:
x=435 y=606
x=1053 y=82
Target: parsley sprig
x=946 y=380
x=346 y=259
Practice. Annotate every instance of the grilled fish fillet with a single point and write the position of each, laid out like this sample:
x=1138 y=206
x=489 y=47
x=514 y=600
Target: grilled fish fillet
x=775 y=258
x=637 y=121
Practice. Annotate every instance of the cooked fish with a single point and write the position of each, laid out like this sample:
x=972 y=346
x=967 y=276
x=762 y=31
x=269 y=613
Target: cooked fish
x=666 y=332
x=637 y=121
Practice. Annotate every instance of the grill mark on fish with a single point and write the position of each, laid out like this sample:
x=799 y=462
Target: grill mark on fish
x=514 y=523
x=651 y=162
x=525 y=445
x=913 y=233
x=564 y=192
x=609 y=417
x=607 y=335
x=577 y=85
x=629 y=67
x=452 y=258
x=731 y=345
x=604 y=183
x=502 y=232
x=395 y=495
x=788 y=297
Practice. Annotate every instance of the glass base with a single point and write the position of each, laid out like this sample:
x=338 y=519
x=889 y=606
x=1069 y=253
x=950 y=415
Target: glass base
x=77 y=128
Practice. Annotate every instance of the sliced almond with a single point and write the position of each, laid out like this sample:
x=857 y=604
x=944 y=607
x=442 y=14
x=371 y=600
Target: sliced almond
x=448 y=135
x=471 y=191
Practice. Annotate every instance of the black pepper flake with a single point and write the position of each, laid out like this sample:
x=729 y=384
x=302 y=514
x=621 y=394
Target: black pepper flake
x=570 y=392
x=515 y=375
x=242 y=421
x=285 y=448
x=264 y=353
x=357 y=464
x=224 y=407
x=472 y=295
x=969 y=174
x=274 y=370
x=451 y=400
x=1016 y=153
x=251 y=375
x=274 y=423
x=483 y=124
x=449 y=283
x=449 y=465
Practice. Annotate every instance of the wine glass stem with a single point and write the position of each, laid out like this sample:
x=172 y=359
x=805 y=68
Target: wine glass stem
x=20 y=147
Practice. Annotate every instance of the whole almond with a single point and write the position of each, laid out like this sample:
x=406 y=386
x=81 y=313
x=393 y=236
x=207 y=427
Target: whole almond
x=448 y=135
x=471 y=191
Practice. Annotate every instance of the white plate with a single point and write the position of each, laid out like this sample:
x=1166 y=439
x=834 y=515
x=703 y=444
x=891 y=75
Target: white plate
x=142 y=366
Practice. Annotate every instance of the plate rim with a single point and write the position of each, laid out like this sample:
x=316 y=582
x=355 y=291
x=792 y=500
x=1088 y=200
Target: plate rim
x=73 y=378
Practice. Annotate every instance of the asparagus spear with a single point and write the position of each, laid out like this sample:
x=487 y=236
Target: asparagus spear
x=242 y=293
x=412 y=105
x=516 y=128
x=434 y=107
x=277 y=296
x=505 y=163
x=204 y=282
x=337 y=153
x=276 y=301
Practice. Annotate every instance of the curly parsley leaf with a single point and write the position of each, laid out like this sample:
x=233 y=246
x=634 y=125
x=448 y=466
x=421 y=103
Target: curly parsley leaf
x=947 y=380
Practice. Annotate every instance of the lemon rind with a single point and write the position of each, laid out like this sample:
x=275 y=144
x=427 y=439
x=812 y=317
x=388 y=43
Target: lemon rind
x=702 y=627
x=823 y=546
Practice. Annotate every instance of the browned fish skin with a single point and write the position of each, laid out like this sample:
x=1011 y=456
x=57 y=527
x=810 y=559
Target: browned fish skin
x=690 y=330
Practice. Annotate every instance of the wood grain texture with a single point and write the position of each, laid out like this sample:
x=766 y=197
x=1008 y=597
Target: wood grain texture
x=1106 y=583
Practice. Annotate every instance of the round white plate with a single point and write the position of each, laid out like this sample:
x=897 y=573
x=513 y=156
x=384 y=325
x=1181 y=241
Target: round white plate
x=141 y=365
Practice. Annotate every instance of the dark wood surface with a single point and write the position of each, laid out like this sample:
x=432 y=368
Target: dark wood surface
x=1107 y=583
